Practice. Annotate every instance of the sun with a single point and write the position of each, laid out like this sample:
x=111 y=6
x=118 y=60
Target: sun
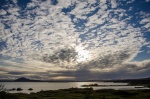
x=82 y=54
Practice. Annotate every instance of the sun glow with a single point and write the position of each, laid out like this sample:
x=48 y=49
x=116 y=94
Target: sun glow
x=83 y=55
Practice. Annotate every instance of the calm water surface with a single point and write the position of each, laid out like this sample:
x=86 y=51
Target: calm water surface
x=38 y=86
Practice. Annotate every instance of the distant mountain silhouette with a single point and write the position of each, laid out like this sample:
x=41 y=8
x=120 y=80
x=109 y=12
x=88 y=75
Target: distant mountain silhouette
x=127 y=80
x=134 y=81
x=138 y=79
x=23 y=79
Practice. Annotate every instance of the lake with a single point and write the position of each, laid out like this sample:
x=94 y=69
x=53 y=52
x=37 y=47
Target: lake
x=38 y=86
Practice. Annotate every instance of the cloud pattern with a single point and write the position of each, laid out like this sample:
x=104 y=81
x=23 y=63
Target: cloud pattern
x=47 y=35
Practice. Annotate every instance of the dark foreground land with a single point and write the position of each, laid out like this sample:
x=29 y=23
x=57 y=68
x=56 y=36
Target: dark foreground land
x=76 y=93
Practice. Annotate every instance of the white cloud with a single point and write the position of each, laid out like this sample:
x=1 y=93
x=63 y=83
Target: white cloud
x=103 y=1
x=15 y=1
x=45 y=29
x=3 y=12
x=146 y=20
x=1 y=28
x=147 y=0
x=131 y=1
x=113 y=3
x=147 y=26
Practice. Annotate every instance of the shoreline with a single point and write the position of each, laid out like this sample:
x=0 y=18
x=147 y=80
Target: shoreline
x=79 y=93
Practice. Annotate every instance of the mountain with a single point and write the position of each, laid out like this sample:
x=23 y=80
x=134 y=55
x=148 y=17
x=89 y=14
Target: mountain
x=133 y=81
x=23 y=79
x=130 y=80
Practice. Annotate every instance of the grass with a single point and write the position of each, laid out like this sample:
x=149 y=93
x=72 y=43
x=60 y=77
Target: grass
x=77 y=93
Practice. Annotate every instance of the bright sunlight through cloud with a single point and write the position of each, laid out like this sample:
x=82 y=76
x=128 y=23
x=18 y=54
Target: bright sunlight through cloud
x=82 y=54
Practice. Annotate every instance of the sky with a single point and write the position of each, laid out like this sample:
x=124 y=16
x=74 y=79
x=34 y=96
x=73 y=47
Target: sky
x=74 y=39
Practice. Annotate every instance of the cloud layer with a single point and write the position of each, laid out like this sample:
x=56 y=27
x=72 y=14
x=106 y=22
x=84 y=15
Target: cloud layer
x=54 y=35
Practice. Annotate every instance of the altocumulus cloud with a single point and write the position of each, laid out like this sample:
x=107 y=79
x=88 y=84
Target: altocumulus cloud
x=73 y=39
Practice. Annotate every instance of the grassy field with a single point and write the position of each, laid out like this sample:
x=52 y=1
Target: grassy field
x=76 y=93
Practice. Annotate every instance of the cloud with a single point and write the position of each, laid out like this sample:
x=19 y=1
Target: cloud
x=16 y=73
x=15 y=1
x=131 y=1
x=3 y=12
x=113 y=4
x=62 y=57
x=41 y=34
x=46 y=37
x=147 y=0
x=145 y=20
x=126 y=71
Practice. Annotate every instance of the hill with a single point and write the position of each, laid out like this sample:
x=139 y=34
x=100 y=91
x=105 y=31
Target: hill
x=23 y=79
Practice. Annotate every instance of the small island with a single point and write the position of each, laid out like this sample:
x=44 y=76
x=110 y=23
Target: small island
x=96 y=85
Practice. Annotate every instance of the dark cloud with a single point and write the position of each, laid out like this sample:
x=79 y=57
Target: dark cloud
x=147 y=65
x=125 y=71
x=3 y=69
x=119 y=73
x=86 y=71
x=107 y=60
x=17 y=73
x=66 y=54
x=82 y=74
x=137 y=67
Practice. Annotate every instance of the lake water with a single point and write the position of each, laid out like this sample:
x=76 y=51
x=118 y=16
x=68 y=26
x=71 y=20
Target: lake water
x=38 y=86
